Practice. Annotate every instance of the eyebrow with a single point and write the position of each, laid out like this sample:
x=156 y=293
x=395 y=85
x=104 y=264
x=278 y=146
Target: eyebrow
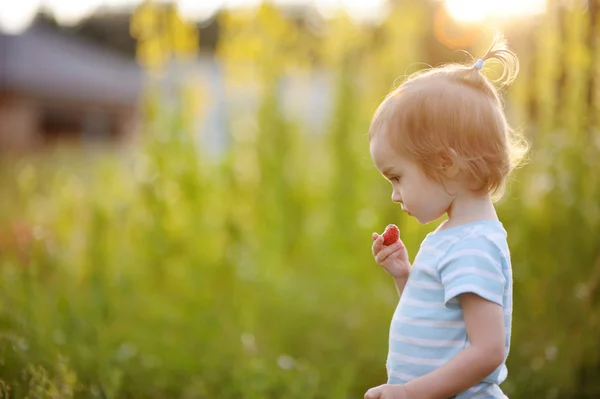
x=387 y=171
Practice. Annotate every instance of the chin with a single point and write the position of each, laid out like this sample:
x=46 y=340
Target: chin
x=426 y=220
x=421 y=220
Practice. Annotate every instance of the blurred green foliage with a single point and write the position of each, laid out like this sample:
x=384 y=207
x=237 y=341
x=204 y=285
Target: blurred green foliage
x=162 y=274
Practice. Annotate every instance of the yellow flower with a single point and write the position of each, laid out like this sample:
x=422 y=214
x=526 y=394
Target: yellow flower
x=161 y=33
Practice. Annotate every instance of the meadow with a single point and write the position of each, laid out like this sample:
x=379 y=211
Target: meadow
x=156 y=271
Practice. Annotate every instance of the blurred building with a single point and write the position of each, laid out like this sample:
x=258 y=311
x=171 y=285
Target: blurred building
x=60 y=87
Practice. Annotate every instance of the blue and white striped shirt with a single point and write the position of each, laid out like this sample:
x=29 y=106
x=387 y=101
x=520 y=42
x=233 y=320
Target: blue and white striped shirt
x=428 y=327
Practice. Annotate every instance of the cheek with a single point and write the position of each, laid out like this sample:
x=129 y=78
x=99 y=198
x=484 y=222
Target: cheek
x=432 y=195
x=442 y=199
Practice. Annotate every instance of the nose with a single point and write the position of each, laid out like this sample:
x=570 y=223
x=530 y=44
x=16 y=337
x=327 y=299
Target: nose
x=396 y=197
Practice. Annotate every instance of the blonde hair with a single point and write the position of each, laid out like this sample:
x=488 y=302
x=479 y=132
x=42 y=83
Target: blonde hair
x=454 y=112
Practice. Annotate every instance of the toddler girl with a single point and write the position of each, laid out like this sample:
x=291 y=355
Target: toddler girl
x=443 y=142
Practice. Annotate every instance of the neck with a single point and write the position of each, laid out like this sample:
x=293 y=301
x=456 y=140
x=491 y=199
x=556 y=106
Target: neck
x=470 y=208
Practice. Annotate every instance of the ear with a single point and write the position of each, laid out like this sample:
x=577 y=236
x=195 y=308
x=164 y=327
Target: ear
x=449 y=165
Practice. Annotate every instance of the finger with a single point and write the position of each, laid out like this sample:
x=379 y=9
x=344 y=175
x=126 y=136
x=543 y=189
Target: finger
x=371 y=395
x=377 y=245
x=375 y=236
x=387 y=251
x=374 y=393
x=396 y=254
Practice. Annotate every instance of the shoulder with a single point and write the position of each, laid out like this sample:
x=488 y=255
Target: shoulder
x=486 y=242
x=475 y=263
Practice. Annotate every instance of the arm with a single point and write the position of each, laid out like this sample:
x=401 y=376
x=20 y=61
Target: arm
x=485 y=328
x=400 y=283
x=394 y=259
x=472 y=272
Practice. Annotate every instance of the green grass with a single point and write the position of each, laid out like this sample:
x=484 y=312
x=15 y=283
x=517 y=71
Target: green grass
x=155 y=273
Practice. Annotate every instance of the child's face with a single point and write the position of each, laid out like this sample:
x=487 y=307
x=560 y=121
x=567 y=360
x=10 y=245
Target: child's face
x=423 y=198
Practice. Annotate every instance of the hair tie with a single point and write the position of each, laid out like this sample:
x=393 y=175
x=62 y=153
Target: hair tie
x=479 y=64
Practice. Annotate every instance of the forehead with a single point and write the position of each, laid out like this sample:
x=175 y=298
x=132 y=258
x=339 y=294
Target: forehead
x=383 y=153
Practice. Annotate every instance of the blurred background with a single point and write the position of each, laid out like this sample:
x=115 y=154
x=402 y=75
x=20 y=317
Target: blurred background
x=187 y=197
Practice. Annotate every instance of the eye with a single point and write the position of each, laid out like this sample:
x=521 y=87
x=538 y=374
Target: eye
x=395 y=179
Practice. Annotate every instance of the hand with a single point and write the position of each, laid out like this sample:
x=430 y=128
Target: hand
x=387 y=391
x=393 y=258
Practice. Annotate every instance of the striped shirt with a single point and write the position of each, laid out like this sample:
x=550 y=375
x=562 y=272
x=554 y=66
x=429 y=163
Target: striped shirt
x=428 y=327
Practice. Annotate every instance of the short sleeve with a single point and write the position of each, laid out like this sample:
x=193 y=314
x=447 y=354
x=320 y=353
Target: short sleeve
x=473 y=265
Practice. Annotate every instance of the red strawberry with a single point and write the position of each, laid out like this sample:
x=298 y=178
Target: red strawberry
x=391 y=234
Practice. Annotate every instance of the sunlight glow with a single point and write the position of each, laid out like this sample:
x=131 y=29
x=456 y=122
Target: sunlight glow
x=479 y=10
x=15 y=16
x=239 y=3
x=71 y=12
x=195 y=10
x=357 y=9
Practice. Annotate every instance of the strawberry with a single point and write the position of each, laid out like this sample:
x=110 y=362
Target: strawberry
x=391 y=234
